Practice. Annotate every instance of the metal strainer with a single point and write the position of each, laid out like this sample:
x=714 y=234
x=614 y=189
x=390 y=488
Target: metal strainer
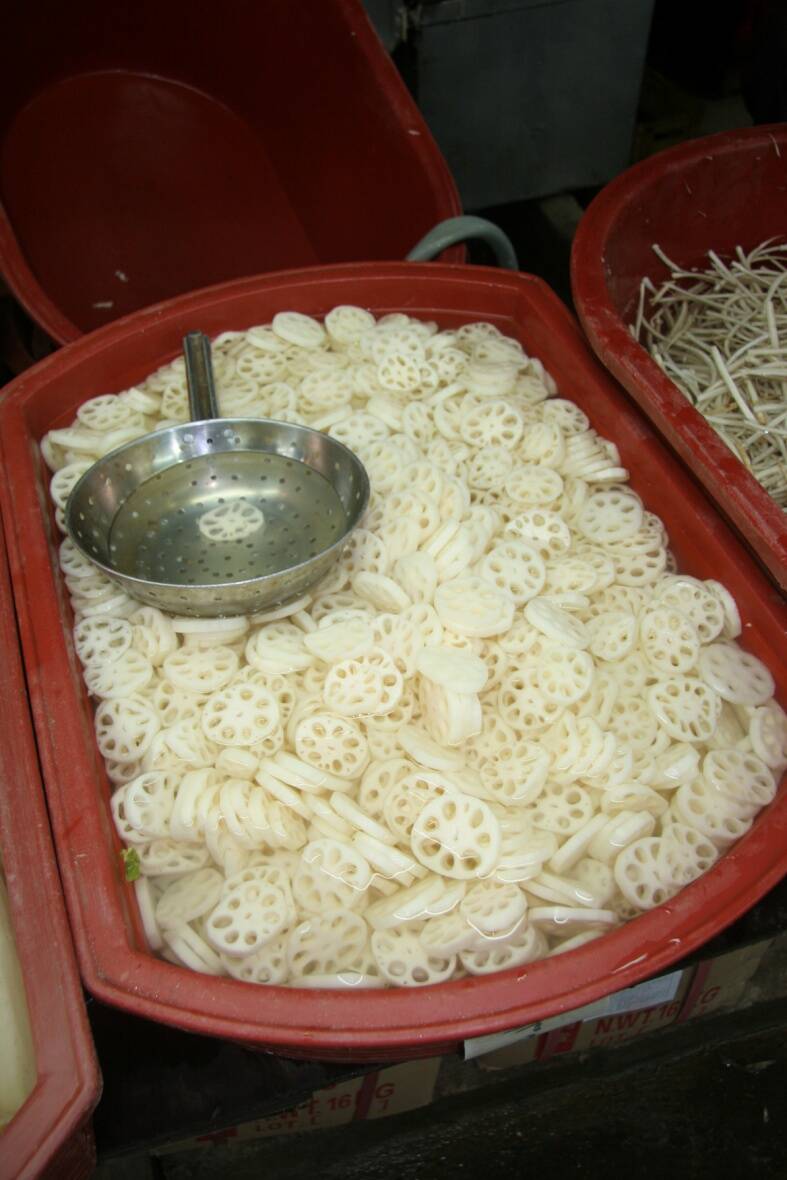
x=218 y=516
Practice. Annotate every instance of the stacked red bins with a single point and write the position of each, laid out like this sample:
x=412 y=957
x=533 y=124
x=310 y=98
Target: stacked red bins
x=714 y=193
x=50 y=1135
x=150 y=149
x=372 y=1025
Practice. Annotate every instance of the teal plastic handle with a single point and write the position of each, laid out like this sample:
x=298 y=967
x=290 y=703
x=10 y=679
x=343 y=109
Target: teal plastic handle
x=459 y=229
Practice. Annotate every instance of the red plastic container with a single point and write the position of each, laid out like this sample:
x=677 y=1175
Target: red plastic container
x=50 y=1135
x=372 y=1025
x=714 y=193
x=151 y=149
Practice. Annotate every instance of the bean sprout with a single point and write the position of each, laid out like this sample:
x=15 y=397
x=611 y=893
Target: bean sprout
x=720 y=335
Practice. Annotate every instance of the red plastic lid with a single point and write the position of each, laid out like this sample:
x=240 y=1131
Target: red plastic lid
x=50 y=1134
x=163 y=153
x=714 y=193
x=373 y=1025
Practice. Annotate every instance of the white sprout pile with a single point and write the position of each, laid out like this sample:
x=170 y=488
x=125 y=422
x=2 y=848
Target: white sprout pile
x=721 y=334
x=499 y=727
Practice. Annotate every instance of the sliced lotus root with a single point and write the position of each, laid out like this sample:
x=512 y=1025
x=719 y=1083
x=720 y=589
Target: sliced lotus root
x=460 y=671
x=125 y=728
x=347 y=323
x=403 y=961
x=379 y=779
x=457 y=836
x=516 y=773
x=741 y=777
x=327 y=945
x=633 y=796
x=574 y=942
x=735 y=675
x=333 y=744
x=543 y=443
x=562 y=890
x=294 y=327
x=332 y=873
x=492 y=909
x=560 y=921
x=515 y=568
x=192 y=951
x=414 y=903
x=449 y=717
x=617 y=832
x=695 y=599
x=543 y=530
x=240 y=715
x=768 y=735
x=388 y=862
x=640 y=873
x=97 y=640
x=146 y=900
x=188 y=897
x=700 y=806
x=427 y=752
x=523 y=705
x=154 y=636
x=166 y=857
x=564 y=674
x=121 y=677
x=557 y=625
x=247 y=917
x=731 y=627
x=148 y=800
x=188 y=743
x=267 y=965
x=609 y=515
x=562 y=809
x=196 y=793
x=370 y=685
x=686 y=707
x=299 y=774
x=686 y=853
x=237 y=762
x=576 y=846
x=447 y=934
x=348 y=640
x=669 y=640
x=73 y=563
x=233 y=521
x=533 y=486
x=471 y=605
x=201 y=670
x=407 y=798
x=278 y=648
x=678 y=764
x=597 y=878
x=526 y=945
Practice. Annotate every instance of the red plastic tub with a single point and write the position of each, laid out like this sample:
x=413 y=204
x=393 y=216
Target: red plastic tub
x=714 y=193
x=51 y=1133
x=151 y=149
x=374 y=1025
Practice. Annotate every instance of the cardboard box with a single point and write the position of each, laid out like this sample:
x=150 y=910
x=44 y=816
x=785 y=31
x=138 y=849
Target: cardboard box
x=710 y=986
x=384 y=1092
x=620 y=1016
x=721 y=982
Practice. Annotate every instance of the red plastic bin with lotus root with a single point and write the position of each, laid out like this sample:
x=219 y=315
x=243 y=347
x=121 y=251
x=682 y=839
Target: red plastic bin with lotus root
x=373 y=1025
x=713 y=193
x=50 y=1135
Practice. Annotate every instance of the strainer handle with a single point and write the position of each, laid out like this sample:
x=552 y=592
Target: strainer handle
x=199 y=376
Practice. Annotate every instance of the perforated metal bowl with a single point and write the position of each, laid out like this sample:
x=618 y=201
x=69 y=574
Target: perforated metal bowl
x=221 y=516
